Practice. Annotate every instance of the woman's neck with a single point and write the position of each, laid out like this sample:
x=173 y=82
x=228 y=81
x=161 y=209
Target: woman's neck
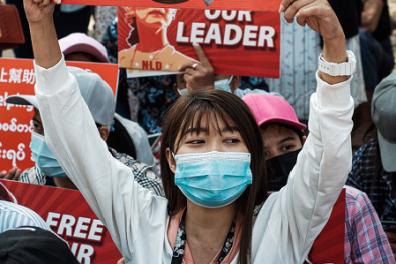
x=151 y=39
x=207 y=229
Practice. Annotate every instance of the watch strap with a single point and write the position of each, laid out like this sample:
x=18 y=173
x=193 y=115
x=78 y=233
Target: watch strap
x=338 y=69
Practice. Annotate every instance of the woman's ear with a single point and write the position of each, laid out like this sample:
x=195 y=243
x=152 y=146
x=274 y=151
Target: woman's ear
x=236 y=82
x=171 y=160
x=304 y=138
x=104 y=132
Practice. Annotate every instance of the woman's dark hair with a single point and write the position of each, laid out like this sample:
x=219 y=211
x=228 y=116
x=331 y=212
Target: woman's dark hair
x=280 y=126
x=120 y=140
x=215 y=105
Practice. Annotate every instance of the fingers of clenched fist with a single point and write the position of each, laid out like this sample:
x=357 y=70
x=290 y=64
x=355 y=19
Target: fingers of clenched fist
x=292 y=10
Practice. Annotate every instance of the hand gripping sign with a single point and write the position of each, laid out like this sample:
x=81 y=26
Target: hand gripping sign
x=254 y=5
x=67 y=213
x=17 y=77
x=242 y=43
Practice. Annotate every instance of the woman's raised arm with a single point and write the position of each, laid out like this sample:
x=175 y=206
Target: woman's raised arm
x=323 y=164
x=39 y=14
x=128 y=210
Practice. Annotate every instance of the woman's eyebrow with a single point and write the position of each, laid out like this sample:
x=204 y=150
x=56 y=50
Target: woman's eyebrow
x=195 y=130
x=286 y=139
x=230 y=129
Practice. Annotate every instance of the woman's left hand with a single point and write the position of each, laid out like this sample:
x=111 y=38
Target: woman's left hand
x=317 y=14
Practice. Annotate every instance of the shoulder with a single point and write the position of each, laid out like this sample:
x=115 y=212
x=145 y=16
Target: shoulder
x=362 y=158
x=367 y=149
x=20 y=214
x=358 y=203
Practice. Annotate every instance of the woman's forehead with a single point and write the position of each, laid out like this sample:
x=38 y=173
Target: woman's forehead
x=210 y=123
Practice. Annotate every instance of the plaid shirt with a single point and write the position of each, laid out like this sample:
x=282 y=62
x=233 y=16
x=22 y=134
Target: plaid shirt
x=143 y=174
x=365 y=239
x=381 y=196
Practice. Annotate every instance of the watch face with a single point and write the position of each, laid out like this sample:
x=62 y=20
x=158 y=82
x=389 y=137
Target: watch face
x=170 y=1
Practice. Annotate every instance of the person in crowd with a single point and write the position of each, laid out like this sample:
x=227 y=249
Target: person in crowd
x=283 y=138
x=80 y=47
x=208 y=136
x=377 y=52
x=374 y=167
x=13 y=215
x=67 y=18
x=34 y=245
x=101 y=104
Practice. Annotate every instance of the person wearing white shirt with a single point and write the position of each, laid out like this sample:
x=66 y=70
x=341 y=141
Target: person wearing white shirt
x=213 y=174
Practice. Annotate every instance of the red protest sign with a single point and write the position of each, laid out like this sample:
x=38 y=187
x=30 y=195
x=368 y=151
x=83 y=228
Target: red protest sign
x=255 y=5
x=17 y=77
x=329 y=245
x=67 y=213
x=236 y=42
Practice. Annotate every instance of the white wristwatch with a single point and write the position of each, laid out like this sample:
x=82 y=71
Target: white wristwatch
x=338 y=69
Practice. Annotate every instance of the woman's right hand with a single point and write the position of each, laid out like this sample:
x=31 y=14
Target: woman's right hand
x=38 y=11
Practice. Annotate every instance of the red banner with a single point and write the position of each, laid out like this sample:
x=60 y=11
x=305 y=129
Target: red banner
x=17 y=77
x=329 y=246
x=67 y=213
x=256 y=5
x=242 y=43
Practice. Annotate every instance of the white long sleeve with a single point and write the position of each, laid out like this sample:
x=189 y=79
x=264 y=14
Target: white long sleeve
x=286 y=225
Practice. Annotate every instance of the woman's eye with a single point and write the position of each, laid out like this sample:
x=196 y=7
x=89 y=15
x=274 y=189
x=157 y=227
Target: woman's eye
x=286 y=148
x=195 y=141
x=232 y=140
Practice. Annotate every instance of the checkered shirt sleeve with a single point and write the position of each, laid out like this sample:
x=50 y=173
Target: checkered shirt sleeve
x=365 y=239
x=143 y=173
x=362 y=177
x=33 y=176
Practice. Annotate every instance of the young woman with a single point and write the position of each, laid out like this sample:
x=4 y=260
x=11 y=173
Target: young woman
x=211 y=155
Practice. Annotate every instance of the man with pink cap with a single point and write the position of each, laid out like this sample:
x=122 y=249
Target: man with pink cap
x=283 y=137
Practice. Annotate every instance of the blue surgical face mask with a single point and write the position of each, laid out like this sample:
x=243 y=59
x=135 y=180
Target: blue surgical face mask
x=213 y=179
x=223 y=85
x=44 y=158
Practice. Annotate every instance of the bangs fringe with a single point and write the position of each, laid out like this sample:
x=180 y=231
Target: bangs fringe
x=194 y=114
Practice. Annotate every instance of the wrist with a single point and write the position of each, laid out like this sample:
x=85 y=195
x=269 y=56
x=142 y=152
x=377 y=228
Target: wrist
x=334 y=50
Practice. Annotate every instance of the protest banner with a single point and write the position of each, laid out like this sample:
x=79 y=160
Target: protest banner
x=67 y=213
x=17 y=77
x=254 y=5
x=329 y=245
x=244 y=43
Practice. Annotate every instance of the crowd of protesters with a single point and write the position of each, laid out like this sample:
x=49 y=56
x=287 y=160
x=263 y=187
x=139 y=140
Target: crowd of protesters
x=226 y=142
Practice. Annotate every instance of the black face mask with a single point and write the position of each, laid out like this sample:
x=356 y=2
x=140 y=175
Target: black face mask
x=279 y=168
